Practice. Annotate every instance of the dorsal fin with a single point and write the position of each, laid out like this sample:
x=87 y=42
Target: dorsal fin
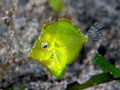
x=46 y=24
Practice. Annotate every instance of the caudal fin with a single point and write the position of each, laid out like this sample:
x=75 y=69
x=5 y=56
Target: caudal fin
x=95 y=33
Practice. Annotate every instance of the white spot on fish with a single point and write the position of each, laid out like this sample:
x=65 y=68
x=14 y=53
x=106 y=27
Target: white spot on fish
x=53 y=51
x=40 y=59
x=67 y=27
x=53 y=63
x=73 y=39
x=58 y=52
x=77 y=38
x=64 y=47
x=60 y=62
x=49 y=66
x=39 y=38
x=68 y=41
x=57 y=31
x=60 y=69
x=55 y=57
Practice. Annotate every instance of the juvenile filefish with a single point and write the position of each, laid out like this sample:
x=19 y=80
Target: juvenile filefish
x=58 y=45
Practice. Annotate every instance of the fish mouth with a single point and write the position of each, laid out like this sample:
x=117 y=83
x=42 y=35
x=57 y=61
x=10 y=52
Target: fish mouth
x=51 y=61
x=52 y=64
x=54 y=67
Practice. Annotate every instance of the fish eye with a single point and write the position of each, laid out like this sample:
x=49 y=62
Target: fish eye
x=44 y=45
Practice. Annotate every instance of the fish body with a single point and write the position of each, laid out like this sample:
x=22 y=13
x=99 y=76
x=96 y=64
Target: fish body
x=57 y=46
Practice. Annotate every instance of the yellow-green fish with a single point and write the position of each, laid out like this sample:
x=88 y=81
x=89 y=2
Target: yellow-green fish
x=58 y=45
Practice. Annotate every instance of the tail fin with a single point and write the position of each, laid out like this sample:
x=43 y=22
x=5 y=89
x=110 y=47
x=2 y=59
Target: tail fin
x=95 y=33
x=95 y=38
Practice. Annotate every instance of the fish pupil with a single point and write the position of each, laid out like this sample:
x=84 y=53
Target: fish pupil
x=45 y=46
